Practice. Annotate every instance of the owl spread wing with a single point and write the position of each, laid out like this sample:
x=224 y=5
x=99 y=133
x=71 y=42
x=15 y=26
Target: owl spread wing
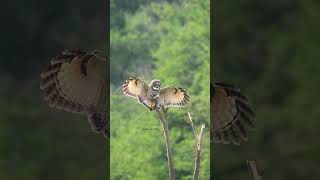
x=173 y=97
x=76 y=81
x=232 y=116
x=137 y=88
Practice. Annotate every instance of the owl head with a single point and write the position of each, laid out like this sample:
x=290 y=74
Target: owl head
x=155 y=84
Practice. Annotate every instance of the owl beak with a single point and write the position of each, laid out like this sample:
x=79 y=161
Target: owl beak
x=156 y=88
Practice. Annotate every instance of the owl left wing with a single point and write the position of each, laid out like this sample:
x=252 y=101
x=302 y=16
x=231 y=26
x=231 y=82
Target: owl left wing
x=173 y=97
x=76 y=81
x=231 y=115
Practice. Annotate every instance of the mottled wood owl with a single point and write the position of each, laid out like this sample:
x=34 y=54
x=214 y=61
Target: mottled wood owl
x=231 y=115
x=76 y=81
x=151 y=96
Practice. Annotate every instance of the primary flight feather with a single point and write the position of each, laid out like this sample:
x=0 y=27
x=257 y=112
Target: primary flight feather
x=76 y=81
x=231 y=115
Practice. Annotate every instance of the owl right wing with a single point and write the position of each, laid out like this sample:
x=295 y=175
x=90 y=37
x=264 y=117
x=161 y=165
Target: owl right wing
x=137 y=88
x=134 y=87
x=76 y=81
x=231 y=115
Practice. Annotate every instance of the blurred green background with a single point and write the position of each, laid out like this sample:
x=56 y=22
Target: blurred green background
x=38 y=142
x=267 y=48
x=166 y=40
x=270 y=49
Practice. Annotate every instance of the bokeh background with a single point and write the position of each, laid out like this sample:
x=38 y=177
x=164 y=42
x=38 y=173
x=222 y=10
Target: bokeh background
x=271 y=50
x=166 y=40
x=38 y=142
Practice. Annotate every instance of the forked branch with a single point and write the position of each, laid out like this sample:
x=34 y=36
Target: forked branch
x=199 y=139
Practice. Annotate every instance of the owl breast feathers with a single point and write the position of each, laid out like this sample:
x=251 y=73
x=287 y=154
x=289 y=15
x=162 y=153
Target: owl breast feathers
x=145 y=94
x=76 y=81
x=231 y=115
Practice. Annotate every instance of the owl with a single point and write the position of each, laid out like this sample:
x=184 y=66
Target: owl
x=152 y=96
x=231 y=115
x=76 y=81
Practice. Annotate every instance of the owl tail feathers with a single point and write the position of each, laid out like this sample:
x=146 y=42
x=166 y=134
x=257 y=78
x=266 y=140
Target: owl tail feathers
x=99 y=124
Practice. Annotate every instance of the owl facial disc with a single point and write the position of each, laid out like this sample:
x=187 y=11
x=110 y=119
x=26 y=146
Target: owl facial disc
x=155 y=84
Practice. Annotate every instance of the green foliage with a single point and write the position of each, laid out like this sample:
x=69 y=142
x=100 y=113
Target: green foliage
x=268 y=48
x=168 y=41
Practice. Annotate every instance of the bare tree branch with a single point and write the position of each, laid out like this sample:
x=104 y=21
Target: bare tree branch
x=198 y=152
x=253 y=170
x=191 y=123
x=164 y=123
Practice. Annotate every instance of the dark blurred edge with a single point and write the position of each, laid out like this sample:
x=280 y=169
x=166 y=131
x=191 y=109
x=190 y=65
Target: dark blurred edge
x=33 y=144
x=211 y=79
x=108 y=79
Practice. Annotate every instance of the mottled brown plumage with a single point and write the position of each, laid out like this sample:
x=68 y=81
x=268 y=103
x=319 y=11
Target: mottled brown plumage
x=76 y=81
x=147 y=95
x=231 y=115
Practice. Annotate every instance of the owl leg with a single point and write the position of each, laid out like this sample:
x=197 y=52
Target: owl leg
x=158 y=106
x=164 y=109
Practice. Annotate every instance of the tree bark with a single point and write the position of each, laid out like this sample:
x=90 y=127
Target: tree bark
x=192 y=126
x=164 y=123
x=198 y=152
x=253 y=170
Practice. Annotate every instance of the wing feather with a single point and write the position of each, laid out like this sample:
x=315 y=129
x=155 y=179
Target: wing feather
x=135 y=87
x=231 y=116
x=173 y=97
x=65 y=85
